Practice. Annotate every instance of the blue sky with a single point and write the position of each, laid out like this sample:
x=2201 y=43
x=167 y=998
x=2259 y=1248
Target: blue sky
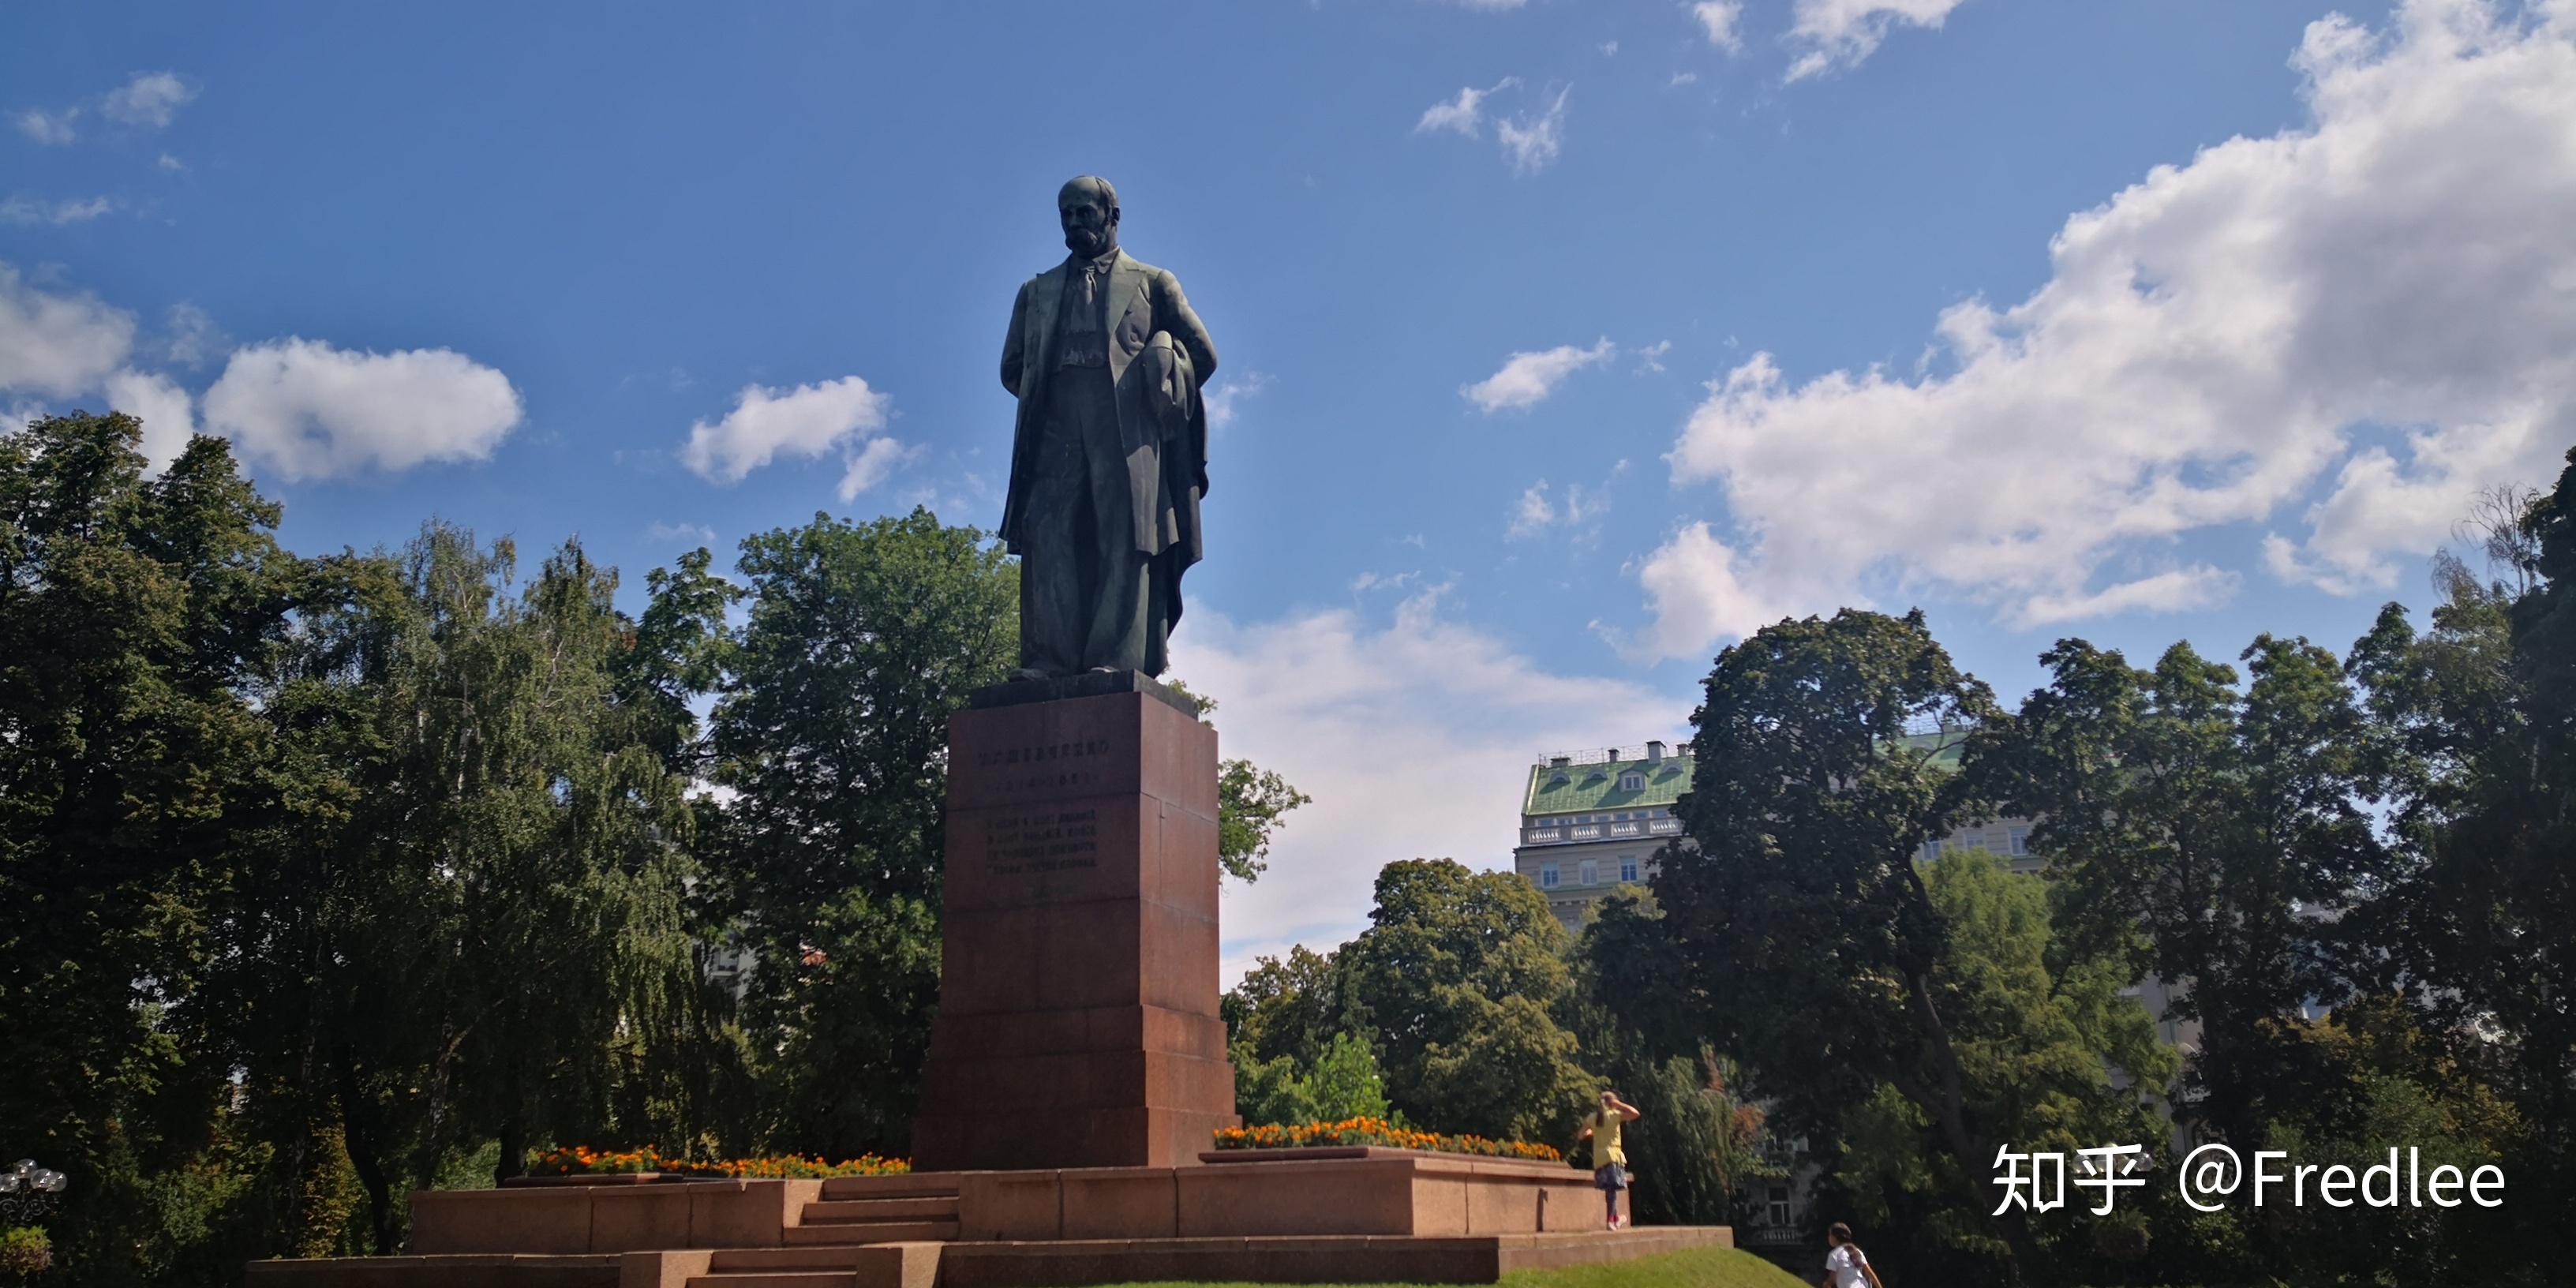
x=1562 y=342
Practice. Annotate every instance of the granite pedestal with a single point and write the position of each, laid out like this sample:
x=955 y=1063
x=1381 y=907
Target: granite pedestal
x=1077 y=1021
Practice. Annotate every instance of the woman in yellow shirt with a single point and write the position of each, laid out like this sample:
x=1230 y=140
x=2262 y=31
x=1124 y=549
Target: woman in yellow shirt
x=1609 y=1162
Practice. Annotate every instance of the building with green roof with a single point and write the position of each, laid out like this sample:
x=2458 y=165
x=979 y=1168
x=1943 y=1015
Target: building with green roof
x=1591 y=822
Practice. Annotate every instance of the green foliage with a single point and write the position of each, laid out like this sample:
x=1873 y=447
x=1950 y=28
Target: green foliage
x=830 y=728
x=2210 y=820
x=2037 y=1036
x=1698 y=1142
x=1343 y=1082
x=2373 y=1079
x=1251 y=801
x=1799 y=912
x=484 y=808
x=1288 y=1007
x=136 y=615
x=1269 y=1093
x=1455 y=978
x=25 y=1251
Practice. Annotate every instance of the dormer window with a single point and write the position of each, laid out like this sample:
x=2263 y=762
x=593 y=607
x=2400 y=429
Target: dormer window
x=1632 y=781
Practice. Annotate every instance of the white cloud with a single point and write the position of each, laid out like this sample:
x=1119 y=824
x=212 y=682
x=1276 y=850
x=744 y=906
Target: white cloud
x=1719 y=19
x=50 y=128
x=162 y=406
x=807 y=421
x=697 y=532
x=1840 y=33
x=1463 y=114
x=58 y=345
x=1609 y=49
x=1651 y=358
x=1489 y=6
x=309 y=410
x=28 y=210
x=2380 y=306
x=1221 y=400
x=1698 y=597
x=1534 y=512
x=169 y=162
x=151 y=99
x=1682 y=78
x=1534 y=143
x=871 y=464
x=191 y=337
x=2173 y=591
x=1526 y=378
x=1452 y=719
x=1368 y=581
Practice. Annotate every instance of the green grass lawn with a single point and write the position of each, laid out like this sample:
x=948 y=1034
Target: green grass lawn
x=1699 y=1268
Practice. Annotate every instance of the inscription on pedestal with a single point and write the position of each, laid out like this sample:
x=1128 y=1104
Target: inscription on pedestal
x=1041 y=841
x=1044 y=766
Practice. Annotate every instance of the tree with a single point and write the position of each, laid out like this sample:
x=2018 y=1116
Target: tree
x=2477 y=924
x=135 y=615
x=830 y=726
x=1455 y=978
x=1341 y=1083
x=1799 y=908
x=1288 y=1007
x=1631 y=1007
x=2216 y=823
x=501 y=816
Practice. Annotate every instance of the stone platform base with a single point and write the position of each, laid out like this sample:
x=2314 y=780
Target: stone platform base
x=1299 y=1216
x=1312 y=1259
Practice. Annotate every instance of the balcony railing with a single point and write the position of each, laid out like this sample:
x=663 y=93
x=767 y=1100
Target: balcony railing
x=1578 y=833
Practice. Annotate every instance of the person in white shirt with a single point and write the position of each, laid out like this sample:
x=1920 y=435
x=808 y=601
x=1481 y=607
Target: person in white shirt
x=1845 y=1267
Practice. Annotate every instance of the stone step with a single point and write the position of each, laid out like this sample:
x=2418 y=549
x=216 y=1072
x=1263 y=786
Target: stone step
x=838 y=1256
x=930 y=1185
x=933 y=1208
x=778 y=1279
x=851 y=1232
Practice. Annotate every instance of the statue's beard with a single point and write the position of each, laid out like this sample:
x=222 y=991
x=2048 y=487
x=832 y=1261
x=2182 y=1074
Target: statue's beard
x=1085 y=241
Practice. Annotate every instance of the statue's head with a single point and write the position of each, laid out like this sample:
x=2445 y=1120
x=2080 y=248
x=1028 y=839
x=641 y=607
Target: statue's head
x=1088 y=207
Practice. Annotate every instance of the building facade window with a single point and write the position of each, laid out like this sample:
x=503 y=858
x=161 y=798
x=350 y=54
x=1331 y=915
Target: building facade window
x=1591 y=872
x=1547 y=876
x=1779 y=1205
x=2020 y=841
x=1632 y=781
x=1627 y=868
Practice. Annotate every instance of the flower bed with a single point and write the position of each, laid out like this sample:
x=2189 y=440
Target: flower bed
x=581 y=1160
x=1378 y=1131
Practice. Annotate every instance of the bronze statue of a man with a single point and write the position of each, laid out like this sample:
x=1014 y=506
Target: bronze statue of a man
x=1109 y=457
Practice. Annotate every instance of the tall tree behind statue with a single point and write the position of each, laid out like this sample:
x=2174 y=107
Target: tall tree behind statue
x=830 y=731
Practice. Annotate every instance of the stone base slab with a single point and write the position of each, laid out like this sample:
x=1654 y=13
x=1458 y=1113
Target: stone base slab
x=1055 y=1263
x=1457 y=1259
x=452 y=1270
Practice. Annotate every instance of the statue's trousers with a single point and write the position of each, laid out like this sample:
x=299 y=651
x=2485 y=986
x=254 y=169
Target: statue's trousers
x=1086 y=592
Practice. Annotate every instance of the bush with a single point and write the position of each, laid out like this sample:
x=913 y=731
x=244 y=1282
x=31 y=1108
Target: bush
x=25 y=1251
